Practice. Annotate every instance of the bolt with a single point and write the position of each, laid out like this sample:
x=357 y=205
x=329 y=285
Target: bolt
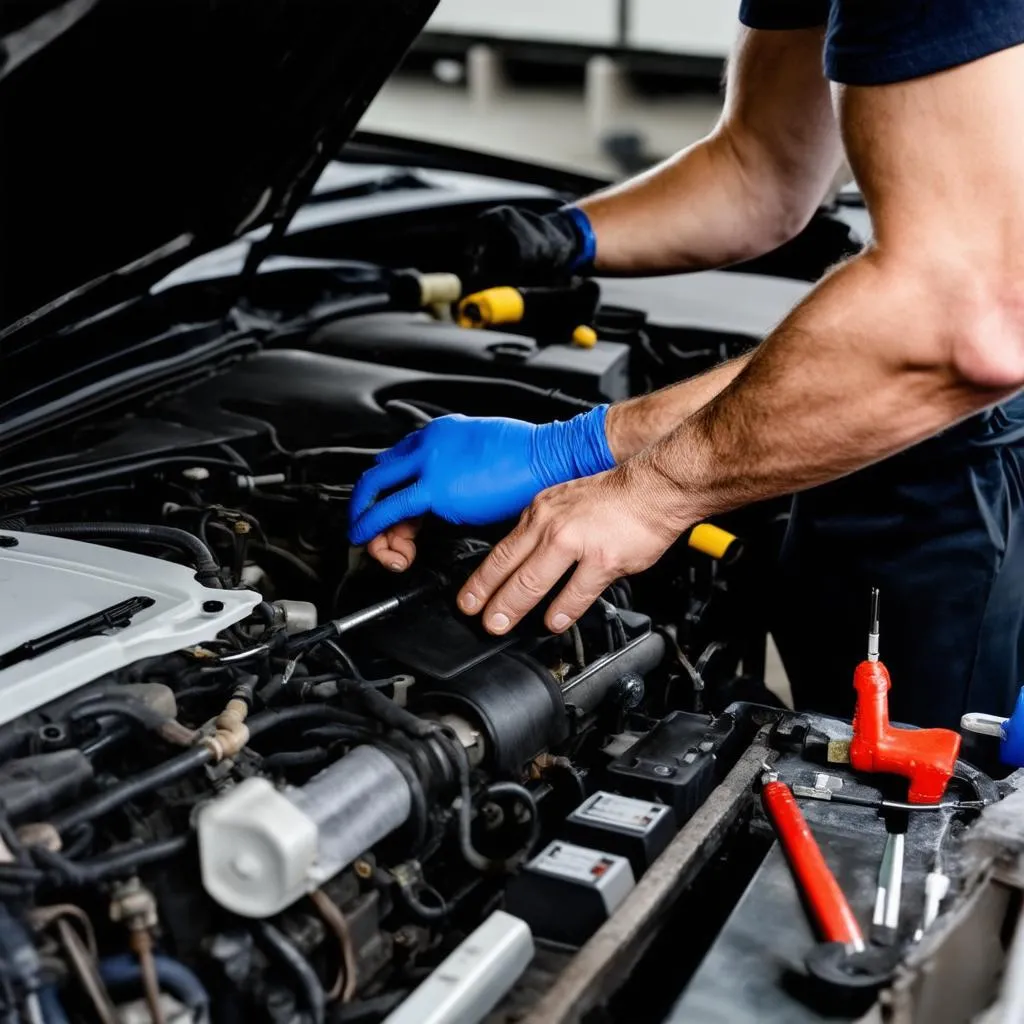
x=196 y=474
x=493 y=816
x=242 y=527
x=630 y=691
x=363 y=869
x=8 y=542
x=213 y=606
x=663 y=770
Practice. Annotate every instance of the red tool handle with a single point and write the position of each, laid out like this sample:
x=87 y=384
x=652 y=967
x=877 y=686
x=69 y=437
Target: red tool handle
x=925 y=757
x=832 y=913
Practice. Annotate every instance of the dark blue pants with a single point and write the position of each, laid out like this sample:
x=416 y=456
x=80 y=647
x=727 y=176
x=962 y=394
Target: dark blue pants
x=940 y=529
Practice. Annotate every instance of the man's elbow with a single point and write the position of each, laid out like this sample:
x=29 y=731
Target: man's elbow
x=986 y=344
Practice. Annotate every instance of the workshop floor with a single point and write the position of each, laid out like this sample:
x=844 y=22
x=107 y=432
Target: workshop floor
x=548 y=125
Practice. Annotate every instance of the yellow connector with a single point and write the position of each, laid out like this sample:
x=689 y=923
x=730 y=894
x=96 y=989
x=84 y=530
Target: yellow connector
x=584 y=336
x=492 y=306
x=713 y=541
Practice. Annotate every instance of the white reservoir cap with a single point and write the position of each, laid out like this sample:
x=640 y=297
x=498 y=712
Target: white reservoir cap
x=256 y=849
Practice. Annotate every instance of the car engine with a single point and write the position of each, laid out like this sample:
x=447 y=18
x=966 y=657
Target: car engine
x=245 y=771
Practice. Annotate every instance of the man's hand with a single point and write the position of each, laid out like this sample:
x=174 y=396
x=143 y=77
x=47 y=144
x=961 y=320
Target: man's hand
x=611 y=525
x=469 y=471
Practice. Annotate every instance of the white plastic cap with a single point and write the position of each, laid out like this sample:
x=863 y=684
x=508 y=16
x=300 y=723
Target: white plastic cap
x=256 y=849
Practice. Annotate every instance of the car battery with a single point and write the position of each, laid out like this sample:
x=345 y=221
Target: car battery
x=567 y=892
x=635 y=829
x=678 y=762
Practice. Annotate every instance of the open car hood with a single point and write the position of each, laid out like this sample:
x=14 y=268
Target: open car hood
x=139 y=135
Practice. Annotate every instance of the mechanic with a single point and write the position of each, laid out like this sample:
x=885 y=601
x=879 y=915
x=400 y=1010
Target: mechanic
x=896 y=361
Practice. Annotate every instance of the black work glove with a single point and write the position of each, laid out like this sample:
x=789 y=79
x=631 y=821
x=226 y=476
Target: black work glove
x=511 y=246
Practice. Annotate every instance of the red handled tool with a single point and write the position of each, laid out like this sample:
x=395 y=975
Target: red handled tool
x=834 y=917
x=926 y=757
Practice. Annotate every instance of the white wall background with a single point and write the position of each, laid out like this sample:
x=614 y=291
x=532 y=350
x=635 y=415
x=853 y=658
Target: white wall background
x=694 y=27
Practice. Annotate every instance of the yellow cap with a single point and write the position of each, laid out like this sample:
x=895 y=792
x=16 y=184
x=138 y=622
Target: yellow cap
x=712 y=540
x=584 y=336
x=493 y=306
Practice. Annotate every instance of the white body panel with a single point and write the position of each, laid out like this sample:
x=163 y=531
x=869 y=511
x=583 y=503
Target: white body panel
x=47 y=583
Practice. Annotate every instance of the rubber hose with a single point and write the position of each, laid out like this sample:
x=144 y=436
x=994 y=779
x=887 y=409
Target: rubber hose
x=175 y=977
x=274 y=717
x=316 y=998
x=122 y=792
x=127 y=861
x=125 y=707
x=206 y=566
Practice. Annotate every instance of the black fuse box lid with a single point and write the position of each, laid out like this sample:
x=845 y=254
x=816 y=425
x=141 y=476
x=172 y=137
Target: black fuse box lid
x=679 y=761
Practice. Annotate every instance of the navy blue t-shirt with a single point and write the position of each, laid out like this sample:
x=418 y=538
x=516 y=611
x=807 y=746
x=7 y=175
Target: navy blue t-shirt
x=875 y=42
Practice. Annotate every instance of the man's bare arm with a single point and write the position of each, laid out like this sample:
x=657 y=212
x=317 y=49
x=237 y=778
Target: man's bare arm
x=922 y=330
x=915 y=334
x=751 y=185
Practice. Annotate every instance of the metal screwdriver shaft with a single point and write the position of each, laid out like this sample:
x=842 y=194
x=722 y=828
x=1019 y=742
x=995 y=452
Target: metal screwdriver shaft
x=874 y=628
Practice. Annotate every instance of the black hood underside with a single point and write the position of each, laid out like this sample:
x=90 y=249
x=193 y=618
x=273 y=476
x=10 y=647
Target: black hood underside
x=136 y=135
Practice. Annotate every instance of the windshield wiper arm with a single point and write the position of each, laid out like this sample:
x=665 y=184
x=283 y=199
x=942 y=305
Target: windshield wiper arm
x=117 y=616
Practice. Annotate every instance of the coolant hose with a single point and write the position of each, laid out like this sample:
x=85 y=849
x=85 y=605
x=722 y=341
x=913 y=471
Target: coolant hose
x=175 y=977
x=206 y=566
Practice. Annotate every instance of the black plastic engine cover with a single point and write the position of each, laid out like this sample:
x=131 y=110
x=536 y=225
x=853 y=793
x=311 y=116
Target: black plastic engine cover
x=417 y=341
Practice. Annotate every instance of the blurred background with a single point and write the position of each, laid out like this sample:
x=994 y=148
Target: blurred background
x=604 y=86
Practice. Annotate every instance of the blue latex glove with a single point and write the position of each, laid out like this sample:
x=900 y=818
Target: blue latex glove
x=476 y=471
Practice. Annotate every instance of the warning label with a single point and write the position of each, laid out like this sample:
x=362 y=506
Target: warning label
x=622 y=813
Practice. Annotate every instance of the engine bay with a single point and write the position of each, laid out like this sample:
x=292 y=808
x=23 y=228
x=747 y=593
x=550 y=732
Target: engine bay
x=248 y=774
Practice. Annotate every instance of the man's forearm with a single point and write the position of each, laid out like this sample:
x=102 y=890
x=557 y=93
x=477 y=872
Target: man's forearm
x=633 y=425
x=746 y=188
x=864 y=368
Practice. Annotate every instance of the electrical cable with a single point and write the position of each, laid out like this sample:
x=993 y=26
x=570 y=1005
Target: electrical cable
x=418 y=907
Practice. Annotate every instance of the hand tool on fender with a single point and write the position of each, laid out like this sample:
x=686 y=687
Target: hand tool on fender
x=832 y=913
x=926 y=757
x=886 y=920
x=844 y=969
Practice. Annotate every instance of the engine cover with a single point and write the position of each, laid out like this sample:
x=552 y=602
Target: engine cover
x=51 y=583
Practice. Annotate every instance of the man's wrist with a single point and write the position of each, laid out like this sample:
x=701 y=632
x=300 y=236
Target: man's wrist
x=666 y=506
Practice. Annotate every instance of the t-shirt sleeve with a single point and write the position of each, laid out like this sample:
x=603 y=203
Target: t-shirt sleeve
x=876 y=42
x=783 y=14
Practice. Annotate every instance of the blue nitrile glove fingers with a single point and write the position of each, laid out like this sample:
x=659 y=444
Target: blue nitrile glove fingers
x=475 y=471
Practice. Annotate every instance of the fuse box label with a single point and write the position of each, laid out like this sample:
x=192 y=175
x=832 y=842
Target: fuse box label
x=577 y=864
x=622 y=813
